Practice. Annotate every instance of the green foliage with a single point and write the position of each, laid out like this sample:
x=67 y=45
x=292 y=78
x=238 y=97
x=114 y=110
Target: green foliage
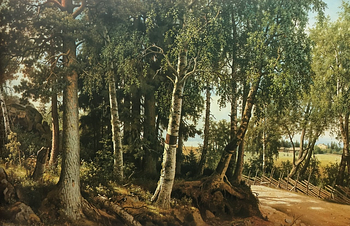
x=99 y=171
x=190 y=164
x=254 y=165
x=218 y=139
x=285 y=168
x=314 y=170
x=13 y=147
x=330 y=173
x=318 y=150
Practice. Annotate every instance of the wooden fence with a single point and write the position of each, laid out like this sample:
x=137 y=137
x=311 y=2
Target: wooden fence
x=338 y=194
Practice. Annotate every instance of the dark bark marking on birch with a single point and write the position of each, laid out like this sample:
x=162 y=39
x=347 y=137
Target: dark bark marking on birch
x=170 y=139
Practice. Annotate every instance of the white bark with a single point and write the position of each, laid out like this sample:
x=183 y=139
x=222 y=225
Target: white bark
x=165 y=185
x=5 y=114
x=116 y=135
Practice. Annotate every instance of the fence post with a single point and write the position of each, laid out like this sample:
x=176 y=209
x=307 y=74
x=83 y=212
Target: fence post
x=295 y=188
x=271 y=176
x=308 y=181
x=279 y=180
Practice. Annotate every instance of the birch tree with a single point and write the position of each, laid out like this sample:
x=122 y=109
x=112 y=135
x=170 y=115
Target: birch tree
x=279 y=51
x=331 y=65
x=185 y=56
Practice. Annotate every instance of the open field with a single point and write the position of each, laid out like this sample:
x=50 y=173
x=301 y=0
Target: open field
x=325 y=159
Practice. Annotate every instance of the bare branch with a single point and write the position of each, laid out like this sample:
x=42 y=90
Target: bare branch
x=171 y=80
x=54 y=63
x=208 y=22
x=80 y=9
x=56 y=3
x=161 y=52
x=191 y=72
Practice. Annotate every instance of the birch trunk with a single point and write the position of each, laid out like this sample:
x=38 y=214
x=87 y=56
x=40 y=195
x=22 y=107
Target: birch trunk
x=233 y=116
x=233 y=132
x=116 y=134
x=345 y=161
x=206 y=133
x=310 y=150
x=166 y=180
x=5 y=116
x=301 y=157
x=167 y=175
x=234 y=143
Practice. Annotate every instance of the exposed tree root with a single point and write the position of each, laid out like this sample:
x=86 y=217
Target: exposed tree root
x=127 y=218
x=220 y=198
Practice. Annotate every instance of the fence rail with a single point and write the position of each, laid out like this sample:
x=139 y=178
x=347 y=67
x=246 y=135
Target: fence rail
x=338 y=194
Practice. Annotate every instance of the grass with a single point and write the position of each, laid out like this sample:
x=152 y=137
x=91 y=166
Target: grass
x=325 y=159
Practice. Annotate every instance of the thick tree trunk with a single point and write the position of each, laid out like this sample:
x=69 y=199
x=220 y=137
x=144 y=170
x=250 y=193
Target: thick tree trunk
x=166 y=181
x=237 y=175
x=301 y=157
x=203 y=159
x=234 y=143
x=55 y=132
x=150 y=134
x=233 y=132
x=116 y=134
x=167 y=175
x=233 y=116
x=310 y=150
x=69 y=183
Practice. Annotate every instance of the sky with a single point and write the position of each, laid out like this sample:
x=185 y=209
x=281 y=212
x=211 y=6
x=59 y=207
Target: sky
x=333 y=7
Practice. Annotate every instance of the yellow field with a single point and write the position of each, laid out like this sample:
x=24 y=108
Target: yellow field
x=325 y=159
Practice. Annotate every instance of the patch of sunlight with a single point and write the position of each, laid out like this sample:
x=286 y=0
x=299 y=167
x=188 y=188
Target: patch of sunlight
x=316 y=208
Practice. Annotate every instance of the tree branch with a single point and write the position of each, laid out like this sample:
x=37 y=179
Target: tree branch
x=161 y=52
x=191 y=72
x=56 y=3
x=80 y=9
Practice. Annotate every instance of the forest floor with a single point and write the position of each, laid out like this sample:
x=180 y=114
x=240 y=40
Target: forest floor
x=289 y=208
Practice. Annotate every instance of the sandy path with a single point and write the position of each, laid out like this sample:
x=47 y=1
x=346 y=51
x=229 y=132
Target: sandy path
x=300 y=209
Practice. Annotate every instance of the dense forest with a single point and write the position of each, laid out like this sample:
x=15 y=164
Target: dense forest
x=111 y=90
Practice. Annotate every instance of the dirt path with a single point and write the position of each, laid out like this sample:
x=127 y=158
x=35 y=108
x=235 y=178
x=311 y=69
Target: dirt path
x=287 y=208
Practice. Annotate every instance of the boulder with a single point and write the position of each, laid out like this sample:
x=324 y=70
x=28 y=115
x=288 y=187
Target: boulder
x=7 y=191
x=24 y=214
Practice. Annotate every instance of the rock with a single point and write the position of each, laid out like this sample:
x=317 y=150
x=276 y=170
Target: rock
x=28 y=118
x=7 y=191
x=298 y=222
x=25 y=214
x=209 y=214
x=3 y=174
x=197 y=218
x=289 y=221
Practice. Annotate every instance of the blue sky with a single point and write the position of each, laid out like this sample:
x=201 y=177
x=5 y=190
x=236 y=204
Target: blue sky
x=333 y=7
